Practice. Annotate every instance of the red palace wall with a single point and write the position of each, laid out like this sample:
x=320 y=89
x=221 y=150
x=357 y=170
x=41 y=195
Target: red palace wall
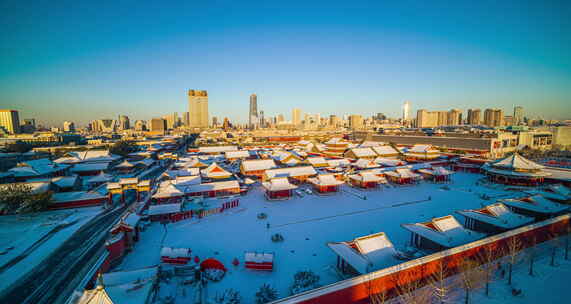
x=78 y=204
x=358 y=289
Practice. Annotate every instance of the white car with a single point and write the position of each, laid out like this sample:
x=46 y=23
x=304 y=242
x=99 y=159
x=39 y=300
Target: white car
x=308 y=191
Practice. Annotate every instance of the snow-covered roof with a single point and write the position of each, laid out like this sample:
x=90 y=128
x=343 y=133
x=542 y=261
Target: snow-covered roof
x=336 y=141
x=176 y=252
x=88 y=156
x=173 y=174
x=385 y=150
x=364 y=163
x=164 y=209
x=406 y=173
x=65 y=181
x=168 y=190
x=90 y=167
x=125 y=164
x=100 y=178
x=422 y=149
x=259 y=257
x=317 y=161
x=217 y=149
x=128 y=181
x=215 y=171
x=291 y=172
x=498 y=215
x=365 y=176
x=370 y=253
x=445 y=231
x=62 y=197
x=340 y=162
x=362 y=152
x=278 y=184
x=238 y=154
x=369 y=144
x=560 y=189
x=536 y=203
x=516 y=162
x=37 y=167
x=389 y=162
x=215 y=186
x=325 y=180
x=258 y=164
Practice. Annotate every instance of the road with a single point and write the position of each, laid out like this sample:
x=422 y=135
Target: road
x=56 y=278
x=49 y=279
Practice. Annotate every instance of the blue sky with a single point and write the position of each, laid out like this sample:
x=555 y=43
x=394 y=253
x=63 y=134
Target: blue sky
x=76 y=60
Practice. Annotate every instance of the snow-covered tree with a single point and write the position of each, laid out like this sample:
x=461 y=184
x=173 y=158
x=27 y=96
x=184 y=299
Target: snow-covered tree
x=266 y=294
x=303 y=281
x=229 y=296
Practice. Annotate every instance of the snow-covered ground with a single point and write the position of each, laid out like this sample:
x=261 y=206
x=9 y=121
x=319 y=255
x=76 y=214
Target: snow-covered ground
x=307 y=224
x=26 y=240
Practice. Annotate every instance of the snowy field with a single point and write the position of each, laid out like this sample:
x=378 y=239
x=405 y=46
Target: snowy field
x=307 y=224
x=25 y=240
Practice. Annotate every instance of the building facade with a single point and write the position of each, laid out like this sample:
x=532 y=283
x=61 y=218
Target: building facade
x=253 y=114
x=493 y=118
x=198 y=108
x=474 y=117
x=10 y=121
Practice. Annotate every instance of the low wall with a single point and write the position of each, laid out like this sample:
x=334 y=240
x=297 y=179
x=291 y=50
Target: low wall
x=359 y=289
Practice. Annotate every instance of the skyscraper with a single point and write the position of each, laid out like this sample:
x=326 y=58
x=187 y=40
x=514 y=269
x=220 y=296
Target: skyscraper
x=10 y=121
x=158 y=125
x=454 y=117
x=186 y=119
x=518 y=115
x=356 y=122
x=296 y=117
x=406 y=111
x=493 y=117
x=124 y=122
x=253 y=117
x=198 y=108
x=474 y=117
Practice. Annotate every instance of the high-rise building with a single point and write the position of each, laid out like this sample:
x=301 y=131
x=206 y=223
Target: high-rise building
x=334 y=121
x=171 y=120
x=474 y=117
x=356 y=122
x=10 y=121
x=518 y=115
x=68 y=126
x=198 y=108
x=406 y=111
x=186 y=119
x=430 y=119
x=158 y=125
x=253 y=115
x=311 y=121
x=280 y=118
x=214 y=121
x=124 y=122
x=104 y=125
x=454 y=117
x=494 y=117
x=226 y=125
x=140 y=125
x=296 y=117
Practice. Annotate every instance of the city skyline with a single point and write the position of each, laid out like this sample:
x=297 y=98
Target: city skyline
x=379 y=56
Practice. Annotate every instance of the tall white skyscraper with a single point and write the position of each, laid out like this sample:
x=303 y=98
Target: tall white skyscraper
x=518 y=115
x=406 y=111
x=198 y=108
x=253 y=115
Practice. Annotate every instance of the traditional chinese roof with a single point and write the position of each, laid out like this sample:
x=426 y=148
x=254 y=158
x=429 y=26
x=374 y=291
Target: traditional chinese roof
x=445 y=231
x=516 y=162
x=278 y=184
x=325 y=180
x=368 y=253
x=497 y=215
x=258 y=164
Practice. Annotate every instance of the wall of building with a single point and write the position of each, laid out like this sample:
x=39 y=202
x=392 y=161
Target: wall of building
x=360 y=289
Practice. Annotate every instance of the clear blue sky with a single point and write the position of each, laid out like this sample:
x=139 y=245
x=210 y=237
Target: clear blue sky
x=83 y=60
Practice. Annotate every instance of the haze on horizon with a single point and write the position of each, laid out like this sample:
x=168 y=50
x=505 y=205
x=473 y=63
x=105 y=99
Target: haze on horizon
x=79 y=61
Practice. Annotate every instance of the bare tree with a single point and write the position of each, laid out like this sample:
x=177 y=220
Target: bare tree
x=555 y=243
x=377 y=292
x=514 y=246
x=471 y=277
x=486 y=259
x=410 y=290
x=438 y=282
